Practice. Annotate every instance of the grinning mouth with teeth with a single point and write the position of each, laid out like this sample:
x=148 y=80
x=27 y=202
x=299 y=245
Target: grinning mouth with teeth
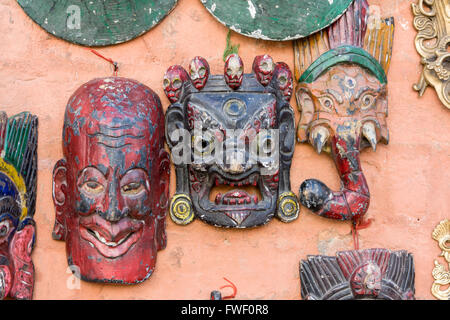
x=97 y=235
x=111 y=240
x=235 y=197
x=234 y=200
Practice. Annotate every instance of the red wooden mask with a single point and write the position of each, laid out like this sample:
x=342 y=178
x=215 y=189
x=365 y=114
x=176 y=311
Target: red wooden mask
x=234 y=71
x=283 y=77
x=263 y=67
x=111 y=189
x=173 y=81
x=199 y=72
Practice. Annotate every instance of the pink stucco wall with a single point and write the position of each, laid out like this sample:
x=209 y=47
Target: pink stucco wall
x=408 y=179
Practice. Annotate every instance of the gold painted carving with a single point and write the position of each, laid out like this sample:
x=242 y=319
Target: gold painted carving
x=432 y=21
x=441 y=276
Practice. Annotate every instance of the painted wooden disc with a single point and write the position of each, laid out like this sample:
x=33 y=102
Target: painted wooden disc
x=274 y=19
x=97 y=22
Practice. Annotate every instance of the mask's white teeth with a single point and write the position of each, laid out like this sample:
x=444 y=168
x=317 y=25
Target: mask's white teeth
x=109 y=244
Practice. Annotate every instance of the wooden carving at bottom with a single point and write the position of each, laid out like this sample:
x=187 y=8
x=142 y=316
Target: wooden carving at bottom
x=358 y=274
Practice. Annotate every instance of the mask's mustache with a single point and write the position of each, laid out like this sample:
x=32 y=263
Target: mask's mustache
x=113 y=214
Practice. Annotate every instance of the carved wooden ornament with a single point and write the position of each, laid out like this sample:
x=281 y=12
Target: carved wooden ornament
x=274 y=19
x=342 y=97
x=232 y=139
x=432 y=22
x=358 y=274
x=111 y=188
x=97 y=22
x=442 y=276
x=18 y=173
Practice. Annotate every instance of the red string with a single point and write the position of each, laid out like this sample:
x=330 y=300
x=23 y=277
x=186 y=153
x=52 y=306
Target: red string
x=355 y=236
x=232 y=286
x=359 y=225
x=115 y=64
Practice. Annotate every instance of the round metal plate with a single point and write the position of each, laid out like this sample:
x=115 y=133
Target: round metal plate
x=97 y=22
x=275 y=19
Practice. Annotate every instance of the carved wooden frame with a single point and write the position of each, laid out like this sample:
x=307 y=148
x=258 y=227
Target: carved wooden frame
x=432 y=22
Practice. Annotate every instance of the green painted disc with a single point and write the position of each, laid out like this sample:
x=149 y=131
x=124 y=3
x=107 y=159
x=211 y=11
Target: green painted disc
x=276 y=19
x=97 y=22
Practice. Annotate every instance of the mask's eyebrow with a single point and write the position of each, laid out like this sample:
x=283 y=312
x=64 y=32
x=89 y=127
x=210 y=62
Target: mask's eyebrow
x=363 y=90
x=102 y=170
x=335 y=94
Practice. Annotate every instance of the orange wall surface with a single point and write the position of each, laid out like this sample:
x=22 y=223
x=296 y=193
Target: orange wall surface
x=408 y=179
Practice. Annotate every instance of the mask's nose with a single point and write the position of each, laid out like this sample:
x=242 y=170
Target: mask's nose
x=234 y=162
x=113 y=204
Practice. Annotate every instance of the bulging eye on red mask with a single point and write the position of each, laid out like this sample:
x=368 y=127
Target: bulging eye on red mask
x=263 y=67
x=234 y=71
x=173 y=81
x=199 y=72
x=111 y=190
x=282 y=76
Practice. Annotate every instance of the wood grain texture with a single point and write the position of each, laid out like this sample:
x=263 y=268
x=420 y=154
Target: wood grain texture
x=359 y=274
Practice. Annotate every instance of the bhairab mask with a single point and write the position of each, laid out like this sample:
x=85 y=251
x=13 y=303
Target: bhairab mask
x=199 y=72
x=232 y=151
x=263 y=67
x=342 y=97
x=111 y=189
x=358 y=274
x=18 y=172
